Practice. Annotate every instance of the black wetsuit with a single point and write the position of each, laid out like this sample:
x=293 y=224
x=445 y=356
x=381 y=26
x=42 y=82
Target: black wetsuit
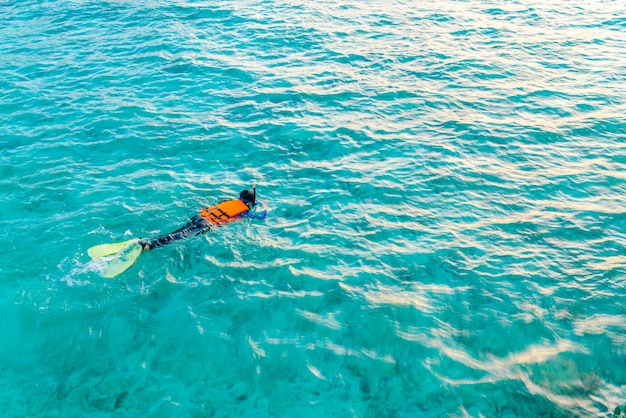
x=196 y=225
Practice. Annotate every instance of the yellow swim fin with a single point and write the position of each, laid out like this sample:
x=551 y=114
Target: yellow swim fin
x=113 y=259
x=103 y=250
x=122 y=261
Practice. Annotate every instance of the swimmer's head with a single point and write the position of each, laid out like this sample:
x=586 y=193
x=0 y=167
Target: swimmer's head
x=248 y=197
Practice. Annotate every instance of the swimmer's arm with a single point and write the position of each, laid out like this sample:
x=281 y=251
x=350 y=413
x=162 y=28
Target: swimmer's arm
x=255 y=215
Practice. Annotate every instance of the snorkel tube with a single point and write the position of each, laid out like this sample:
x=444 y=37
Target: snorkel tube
x=254 y=195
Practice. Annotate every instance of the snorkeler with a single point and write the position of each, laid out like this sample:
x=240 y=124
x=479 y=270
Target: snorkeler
x=118 y=257
x=224 y=212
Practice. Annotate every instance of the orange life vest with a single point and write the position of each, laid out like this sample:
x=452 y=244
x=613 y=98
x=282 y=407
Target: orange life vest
x=224 y=212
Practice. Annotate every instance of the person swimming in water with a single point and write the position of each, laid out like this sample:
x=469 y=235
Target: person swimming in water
x=224 y=212
x=113 y=259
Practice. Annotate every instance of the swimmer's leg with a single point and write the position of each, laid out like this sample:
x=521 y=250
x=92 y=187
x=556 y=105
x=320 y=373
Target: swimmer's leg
x=196 y=225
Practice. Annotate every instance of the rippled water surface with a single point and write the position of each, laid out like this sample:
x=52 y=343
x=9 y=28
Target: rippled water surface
x=445 y=183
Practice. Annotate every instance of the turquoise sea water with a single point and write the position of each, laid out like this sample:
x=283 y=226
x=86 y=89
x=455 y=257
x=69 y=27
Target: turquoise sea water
x=446 y=191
